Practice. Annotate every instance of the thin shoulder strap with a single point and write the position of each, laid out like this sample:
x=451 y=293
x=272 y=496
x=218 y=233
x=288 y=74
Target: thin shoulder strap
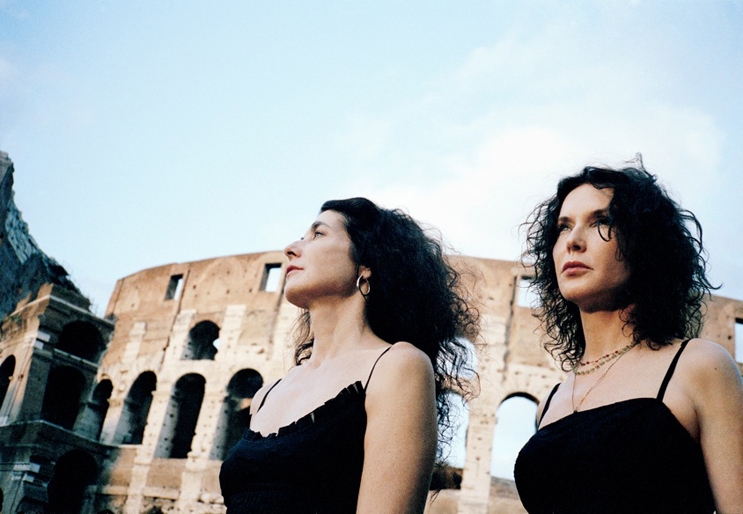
x=375 y=365
x=266 y=395
x=547 y=403
x=671 y=369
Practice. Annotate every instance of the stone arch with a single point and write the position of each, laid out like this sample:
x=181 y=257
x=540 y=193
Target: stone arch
x=98 y=406
x=82 y=339
x=179 y=427
x=515 y=424
x=233 y=419
x=130 y=429
x=7 y=368
x=200 y=344
x=64 y=390
x=73 y=473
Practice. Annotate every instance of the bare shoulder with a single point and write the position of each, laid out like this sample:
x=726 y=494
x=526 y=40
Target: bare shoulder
x=403 y=356
x=401 y=365
x=706 y=360
x=710 y=372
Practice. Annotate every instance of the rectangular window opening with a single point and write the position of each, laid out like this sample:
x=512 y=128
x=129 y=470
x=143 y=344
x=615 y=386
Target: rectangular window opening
x=271 y=277
x=525 y=294
x=739 y=340
x=174 y=287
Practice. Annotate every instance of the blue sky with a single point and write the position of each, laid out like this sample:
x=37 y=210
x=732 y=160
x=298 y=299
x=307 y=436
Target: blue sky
x=145 y=133
x=151 y=132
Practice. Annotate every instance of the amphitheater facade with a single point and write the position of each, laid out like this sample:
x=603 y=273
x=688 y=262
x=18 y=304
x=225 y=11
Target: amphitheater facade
x=134 y=412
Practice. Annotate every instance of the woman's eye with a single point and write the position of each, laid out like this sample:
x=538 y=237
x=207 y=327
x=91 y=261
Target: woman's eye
x=603 y=225
x=316 y=234
x=562 y=228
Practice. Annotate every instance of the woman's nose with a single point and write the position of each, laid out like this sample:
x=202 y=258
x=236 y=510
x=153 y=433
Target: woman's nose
x=292 y=250
x=575 y=240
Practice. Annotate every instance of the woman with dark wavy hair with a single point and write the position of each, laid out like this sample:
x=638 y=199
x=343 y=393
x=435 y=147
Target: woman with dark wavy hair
x=353 y=426
x=650 y=418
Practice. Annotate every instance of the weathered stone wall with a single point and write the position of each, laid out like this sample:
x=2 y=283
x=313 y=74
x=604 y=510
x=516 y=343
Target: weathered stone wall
x=49 y=412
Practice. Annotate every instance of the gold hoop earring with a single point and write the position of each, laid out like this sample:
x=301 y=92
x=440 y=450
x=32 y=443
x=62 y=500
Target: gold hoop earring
x=359 y=285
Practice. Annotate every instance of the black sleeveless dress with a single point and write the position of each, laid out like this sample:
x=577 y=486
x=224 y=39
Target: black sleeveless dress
x=312 y=466
x=630 y=457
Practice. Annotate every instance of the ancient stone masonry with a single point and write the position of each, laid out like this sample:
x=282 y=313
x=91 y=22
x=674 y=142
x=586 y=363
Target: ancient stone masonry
x=135 y=411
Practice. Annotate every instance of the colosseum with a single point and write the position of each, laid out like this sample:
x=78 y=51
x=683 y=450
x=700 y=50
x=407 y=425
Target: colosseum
x=133 y=412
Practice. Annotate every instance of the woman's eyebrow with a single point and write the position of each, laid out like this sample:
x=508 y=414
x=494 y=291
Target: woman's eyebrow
x=600 y=212
x=318 y=224
x=595 y=214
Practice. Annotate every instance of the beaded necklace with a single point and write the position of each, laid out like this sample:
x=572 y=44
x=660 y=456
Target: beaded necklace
x=615 y=359
x=601 y=360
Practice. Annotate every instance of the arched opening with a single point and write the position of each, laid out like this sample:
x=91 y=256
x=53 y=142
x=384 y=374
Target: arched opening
x=99 y=406
x=73 y=473
x=201 y=341
x=183 y=414
x=6 y=373
x=234 y=417
x=448 y=474
x=64 y=389
x=526 y=296
x=82 y=339
x=136 y=409
x=515 y=424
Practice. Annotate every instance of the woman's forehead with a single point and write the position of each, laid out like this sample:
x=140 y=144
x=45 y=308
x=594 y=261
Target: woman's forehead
x=587 y=198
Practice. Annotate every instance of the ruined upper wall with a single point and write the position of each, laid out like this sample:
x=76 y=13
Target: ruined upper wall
x=24 y=268
x=208 y=287
x=158 y=295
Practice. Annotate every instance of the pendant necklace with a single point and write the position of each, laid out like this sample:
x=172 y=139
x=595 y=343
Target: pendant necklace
x=617 y=355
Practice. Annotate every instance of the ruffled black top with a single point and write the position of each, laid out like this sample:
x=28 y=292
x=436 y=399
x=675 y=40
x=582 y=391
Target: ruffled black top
x=311 y=466
x=630 y=457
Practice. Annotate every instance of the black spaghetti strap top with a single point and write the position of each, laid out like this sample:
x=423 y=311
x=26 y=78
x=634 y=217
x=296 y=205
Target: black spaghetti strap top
x=310 y=466
x=629 y=457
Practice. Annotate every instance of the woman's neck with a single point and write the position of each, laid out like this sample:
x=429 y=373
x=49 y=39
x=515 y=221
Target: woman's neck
x=337 y=327
x=604 y=332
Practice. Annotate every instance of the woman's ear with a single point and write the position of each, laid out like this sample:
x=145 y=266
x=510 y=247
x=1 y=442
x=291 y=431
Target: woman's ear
x=365 y=272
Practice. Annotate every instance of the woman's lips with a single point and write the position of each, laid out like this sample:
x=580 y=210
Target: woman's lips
x=573 y=266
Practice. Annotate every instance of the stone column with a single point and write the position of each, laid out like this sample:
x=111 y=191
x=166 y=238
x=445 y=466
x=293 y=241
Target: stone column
x=475 y=493
x=198 y=462
x=123 y=383
x=179 y=335
x=146 y=451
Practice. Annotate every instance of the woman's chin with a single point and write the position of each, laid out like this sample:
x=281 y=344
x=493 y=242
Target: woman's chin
x=295 y=298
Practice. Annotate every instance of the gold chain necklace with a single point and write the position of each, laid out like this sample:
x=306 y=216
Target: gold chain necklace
x=575 y=377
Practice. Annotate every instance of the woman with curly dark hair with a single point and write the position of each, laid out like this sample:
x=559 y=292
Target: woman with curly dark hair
x=650 y=418
x=353 y=426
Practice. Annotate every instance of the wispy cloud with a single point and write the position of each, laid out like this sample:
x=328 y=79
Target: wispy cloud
x=541 y=110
